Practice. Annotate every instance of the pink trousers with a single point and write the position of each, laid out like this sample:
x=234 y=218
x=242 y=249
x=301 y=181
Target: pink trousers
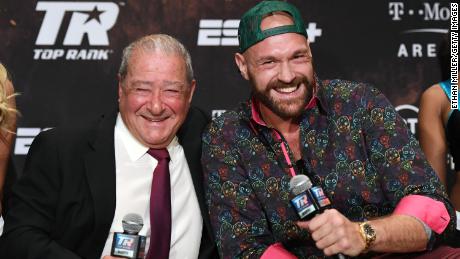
x=441 y=252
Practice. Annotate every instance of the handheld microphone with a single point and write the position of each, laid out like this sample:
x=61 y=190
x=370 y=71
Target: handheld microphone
x=320 y=199
x=129 y=244
x=322 y=202
x=303 y=202
x=309 y=200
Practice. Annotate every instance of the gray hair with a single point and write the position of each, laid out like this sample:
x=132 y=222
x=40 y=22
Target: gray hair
x=161 y=42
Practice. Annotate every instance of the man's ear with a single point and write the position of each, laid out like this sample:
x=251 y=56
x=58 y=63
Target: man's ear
x=120 y=86
x=192 y=90
x=240 y=61
x=309 y=49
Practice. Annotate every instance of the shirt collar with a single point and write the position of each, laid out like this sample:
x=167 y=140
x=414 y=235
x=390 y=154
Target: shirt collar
x=134 y=148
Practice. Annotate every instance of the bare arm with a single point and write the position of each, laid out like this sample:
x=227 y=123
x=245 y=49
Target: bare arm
x=399 y=233
x=334 y=233
x=431 y=129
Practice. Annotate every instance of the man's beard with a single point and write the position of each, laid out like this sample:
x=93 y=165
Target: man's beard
x=282 y=108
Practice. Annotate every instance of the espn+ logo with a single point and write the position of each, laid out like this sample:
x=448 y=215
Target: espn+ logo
x=93 y=19
x=217 y=32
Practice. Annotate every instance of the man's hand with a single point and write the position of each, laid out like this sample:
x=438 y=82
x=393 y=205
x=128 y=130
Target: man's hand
x=334 y=233
x=111 y=257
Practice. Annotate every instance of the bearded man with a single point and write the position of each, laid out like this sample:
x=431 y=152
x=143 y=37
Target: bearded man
x=345 y=136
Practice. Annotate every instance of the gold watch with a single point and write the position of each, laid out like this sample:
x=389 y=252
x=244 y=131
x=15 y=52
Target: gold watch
x=368 y=234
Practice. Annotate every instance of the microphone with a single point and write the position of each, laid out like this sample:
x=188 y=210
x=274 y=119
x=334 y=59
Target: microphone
x=309 y=200
x=319 y=197
x=303 y=202
x=129 y=244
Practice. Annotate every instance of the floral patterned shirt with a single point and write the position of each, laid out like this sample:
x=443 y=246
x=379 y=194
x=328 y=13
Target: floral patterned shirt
x=359 y=149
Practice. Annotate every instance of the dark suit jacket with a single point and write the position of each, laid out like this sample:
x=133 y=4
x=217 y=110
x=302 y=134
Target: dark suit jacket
x=63 y=205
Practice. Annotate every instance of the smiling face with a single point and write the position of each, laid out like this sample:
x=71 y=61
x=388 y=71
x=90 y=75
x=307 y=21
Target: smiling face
x=280 y=69
x=154 y=96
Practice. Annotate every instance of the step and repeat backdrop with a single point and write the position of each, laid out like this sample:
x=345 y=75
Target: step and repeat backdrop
x=64 y=55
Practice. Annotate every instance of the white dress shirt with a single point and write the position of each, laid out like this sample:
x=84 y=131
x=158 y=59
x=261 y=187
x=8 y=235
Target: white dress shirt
x=1 y=225
x=458 y=220
x=134 y=172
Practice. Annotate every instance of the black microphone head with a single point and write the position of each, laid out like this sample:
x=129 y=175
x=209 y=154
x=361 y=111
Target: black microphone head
x=299 y=183
x=132 y=223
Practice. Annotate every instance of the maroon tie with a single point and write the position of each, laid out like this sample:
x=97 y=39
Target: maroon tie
x=160 y=207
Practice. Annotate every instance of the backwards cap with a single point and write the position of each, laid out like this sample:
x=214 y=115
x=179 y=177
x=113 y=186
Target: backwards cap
x=249 y=32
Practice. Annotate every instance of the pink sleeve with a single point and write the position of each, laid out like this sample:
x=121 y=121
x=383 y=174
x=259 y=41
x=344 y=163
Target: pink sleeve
x=277 y=251
x=432 y=212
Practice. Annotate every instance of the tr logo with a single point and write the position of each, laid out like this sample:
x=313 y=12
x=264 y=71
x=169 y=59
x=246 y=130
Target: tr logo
x=91 y=18
x=126 y=242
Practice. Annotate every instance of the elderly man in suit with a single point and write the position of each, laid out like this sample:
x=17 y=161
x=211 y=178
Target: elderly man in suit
x=79 y=182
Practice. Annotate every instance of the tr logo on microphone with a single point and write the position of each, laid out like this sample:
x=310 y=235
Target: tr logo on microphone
x=303 y=205
x=125 y=242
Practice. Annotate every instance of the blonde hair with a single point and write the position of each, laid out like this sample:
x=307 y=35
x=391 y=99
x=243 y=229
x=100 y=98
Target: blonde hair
x=7 y=113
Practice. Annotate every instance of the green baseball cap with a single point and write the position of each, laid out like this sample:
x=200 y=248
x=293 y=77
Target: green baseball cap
x=249 y=32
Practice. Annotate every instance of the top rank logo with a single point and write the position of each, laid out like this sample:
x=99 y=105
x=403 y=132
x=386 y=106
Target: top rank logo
x=93 y=19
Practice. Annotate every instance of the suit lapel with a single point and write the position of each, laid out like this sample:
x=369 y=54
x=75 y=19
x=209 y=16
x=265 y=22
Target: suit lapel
x=193 y=160
x=193 y=156
x=100 y=172
x=190 y=138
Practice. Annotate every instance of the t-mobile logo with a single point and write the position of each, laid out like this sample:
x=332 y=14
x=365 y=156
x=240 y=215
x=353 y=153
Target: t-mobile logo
x=91 y=18
x=396 y=10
